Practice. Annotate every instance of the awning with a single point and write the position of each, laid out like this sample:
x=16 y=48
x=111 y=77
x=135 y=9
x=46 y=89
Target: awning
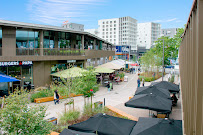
x=5 y=78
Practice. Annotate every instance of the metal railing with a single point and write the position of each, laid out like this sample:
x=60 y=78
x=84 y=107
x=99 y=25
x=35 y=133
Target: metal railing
x=48 y=52
x=28 y=51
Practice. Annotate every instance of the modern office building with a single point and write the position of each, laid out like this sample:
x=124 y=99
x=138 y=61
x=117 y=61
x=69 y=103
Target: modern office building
x=74 y=26
x=148 y=33
x=93 y=31
x=31 y=52
x=169 y=32
x=191 y=73
x=119 y=31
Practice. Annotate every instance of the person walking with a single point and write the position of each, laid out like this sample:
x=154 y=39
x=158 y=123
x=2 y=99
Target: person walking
x=143 y=81
x=138 y=82
x=56 y=97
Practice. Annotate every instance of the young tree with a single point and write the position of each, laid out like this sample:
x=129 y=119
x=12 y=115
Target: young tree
x=18 y=118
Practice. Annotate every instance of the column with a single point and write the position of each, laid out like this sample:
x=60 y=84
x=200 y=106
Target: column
x=83 y=42
x=41 y=40
x=94 y=44
x=8 y=41
x=56 y=40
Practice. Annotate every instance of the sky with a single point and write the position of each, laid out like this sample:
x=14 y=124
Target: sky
x=169 y=13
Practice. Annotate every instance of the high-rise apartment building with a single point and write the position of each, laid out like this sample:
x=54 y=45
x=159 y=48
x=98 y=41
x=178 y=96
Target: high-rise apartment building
x=169 y=32
x=148 y=33
x=119 y=31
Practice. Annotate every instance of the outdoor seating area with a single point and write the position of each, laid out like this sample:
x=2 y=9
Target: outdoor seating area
x=103 y=124
x=155 y=97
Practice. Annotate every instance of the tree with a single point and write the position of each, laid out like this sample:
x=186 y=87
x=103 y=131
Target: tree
x=87 y=82
x=18 y=118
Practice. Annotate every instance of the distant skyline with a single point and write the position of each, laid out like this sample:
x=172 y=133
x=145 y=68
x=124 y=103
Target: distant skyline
x=169 y=13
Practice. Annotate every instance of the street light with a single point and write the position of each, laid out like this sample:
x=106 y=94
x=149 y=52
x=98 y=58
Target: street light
x=163 y=62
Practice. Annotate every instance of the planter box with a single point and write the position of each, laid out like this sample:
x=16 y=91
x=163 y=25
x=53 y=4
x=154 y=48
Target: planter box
x=47 y=99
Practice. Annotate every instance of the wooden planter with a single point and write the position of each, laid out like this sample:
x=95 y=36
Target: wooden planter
x=47 y=99
x=122 y=79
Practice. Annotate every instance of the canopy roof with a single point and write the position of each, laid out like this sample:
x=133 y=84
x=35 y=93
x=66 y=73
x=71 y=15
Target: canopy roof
x=5 y=78
x=103 y=70
x=105 y=124
x=71 y=72
x=151 y=102
x=110 y=65
x=157 y=126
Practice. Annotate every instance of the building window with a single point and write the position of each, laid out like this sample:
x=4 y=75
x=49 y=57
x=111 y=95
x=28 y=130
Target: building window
x=0 y=37
x=110 y=29
x=114 y=21
x=26 y=39
x=106 y=36
x=114 y=36
x=110 y=21
x=103 y=36
x=114 y=25
x=103 y=22
x=110 y=32
x=103 y=29
x=106 y=32
x=107 y=22
x=106 y=29
x=114 y=28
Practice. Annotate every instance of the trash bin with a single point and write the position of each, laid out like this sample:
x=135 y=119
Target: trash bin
x=125 y=78
x=98 y=104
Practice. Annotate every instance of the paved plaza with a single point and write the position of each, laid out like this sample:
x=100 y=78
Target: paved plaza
x=116 y=98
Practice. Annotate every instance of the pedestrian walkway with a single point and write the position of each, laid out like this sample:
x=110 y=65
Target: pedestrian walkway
x=116 y=98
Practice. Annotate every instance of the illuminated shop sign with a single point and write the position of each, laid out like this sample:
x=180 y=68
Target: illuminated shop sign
x=15 y=63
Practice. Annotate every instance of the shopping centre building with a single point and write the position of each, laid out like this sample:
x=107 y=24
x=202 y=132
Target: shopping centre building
x=31 y=52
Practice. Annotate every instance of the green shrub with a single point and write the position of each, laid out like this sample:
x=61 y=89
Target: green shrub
x=70 y=115
x=172 y=79
x=147 y=79
x=121 y=75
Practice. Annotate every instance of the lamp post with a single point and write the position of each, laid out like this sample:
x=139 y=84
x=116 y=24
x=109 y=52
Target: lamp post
x=163 y=62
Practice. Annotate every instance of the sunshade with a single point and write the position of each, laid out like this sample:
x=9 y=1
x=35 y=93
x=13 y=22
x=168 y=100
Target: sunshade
x=71 y=72
x=157 y=126
x=118 y=63
x=73 y=132
x=167 y=85
x=103 y=70
x=105 y=124
x=110 y=65
x=153 y=89
x=5 y=78
x=151 y=102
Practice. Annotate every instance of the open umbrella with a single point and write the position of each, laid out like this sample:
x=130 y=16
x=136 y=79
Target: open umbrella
x=156 y=126
x=71 y=72
x=73 y=132
x=103 y=124
x=150 y=101
x=153 y=89
x=167 y=85
x=103 y=70
x=5 y=78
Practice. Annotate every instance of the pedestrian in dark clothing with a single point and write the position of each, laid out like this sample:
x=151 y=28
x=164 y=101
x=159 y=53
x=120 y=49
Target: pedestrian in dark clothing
x=56 y=97
x=138 y=82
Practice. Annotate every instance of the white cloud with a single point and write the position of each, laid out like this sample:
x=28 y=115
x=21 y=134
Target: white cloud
x=55 y=12
x=168 y=20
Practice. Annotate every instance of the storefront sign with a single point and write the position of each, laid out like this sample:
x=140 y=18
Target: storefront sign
x=71 y=61
x=15 y=63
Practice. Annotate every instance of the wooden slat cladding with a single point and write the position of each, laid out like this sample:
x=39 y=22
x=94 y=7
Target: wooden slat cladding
x=191 y=71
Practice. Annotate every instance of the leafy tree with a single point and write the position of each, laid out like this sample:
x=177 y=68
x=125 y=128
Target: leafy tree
x=18 y=118
x=87 y=82
x=153 y=57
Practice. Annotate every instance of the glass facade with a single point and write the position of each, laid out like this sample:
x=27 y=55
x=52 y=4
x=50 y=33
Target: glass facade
x=0 y=37
x=27 y=39
x=64 y=40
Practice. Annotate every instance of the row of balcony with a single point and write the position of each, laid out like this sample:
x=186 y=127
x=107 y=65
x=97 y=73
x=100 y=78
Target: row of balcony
x=50 y=51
